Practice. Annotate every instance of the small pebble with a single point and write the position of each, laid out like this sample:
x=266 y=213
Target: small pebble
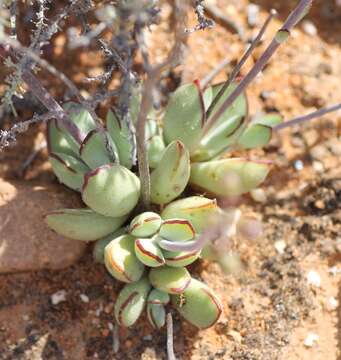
x=84 y=298
x=314 y=278
x=280 y=246
x=311 y=340
x=332 y=304
x=319 y=204
x=236 y=336
x=258 y=195
x=252 y=14
x=26 y=317
x=309 y=28
x=299 y=166
x=58 y=297
x=318 y=167
x=148 y=338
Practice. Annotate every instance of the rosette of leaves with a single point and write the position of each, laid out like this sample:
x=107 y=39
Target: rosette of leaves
x=154 y=276
x=211 y=171
x=100 y=168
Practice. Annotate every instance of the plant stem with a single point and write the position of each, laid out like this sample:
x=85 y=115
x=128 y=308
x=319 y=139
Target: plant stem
x=301 y=119
x=242 y=61
x=52 y=105
x=153 y=75
x=278 y=39
x=170 y=345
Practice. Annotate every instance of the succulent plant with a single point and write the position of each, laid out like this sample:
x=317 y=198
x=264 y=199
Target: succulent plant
x=130 y=256
x=151 y=253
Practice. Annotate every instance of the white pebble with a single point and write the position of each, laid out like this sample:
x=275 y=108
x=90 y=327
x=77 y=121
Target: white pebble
x=311 y=340
x=58 y=297
x=309 y=28
x=314 y=278
x=299 y=166
x=280 y=246
x=258 y=195
x=318 y=167
x=332 y=304
x=84 y=298
x=253 y=14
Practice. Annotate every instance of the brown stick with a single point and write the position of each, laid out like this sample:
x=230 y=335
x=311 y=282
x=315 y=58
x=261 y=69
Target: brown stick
x=51 y=104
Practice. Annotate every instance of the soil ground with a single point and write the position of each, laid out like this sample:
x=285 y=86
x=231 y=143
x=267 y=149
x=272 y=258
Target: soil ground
x=271 y=309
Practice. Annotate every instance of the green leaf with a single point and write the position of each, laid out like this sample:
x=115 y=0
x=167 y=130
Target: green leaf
x=198 y=305
x=185 y=115
x=82 y=224
x=59 y=141
x=120 y=134
x=68 y=169
x=121 y=261
x=131 y=302
x=170 y=177
x=169 y=279
x=81 y=117
x=228 y=177
x=225 y=130
x=94 y=152
x=111 y=190
x=98 y=249
x=149 y=253
x=259 y=132
x=197 y=209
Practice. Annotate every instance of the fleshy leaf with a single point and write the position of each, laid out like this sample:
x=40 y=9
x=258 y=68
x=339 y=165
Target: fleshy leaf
x=145 y=224
x=198 y=305
x=228 y=177
x=120 y=134
x=59 y=141
x=131 y=302
x=197 y=209
x=177 y=230
x=98 y=249
x=121 y=261
x=149 y=253
x=180 y=259
x=81 y=117
x=94 y=151
x=169 y=279
x=259 y=132
x=111 y=190
x=225 y=130
x=156 y=148
x=184 y=116
x=82 y=224
x=68 y=169
x=171 y=175
x=156 y=308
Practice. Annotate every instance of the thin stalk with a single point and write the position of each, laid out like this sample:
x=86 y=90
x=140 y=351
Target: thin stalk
x=281 y=35
x=52 y=105
x=301 y=119
x=210 y=76
x=153 y=76
x=170 y=345
x=242 y=61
